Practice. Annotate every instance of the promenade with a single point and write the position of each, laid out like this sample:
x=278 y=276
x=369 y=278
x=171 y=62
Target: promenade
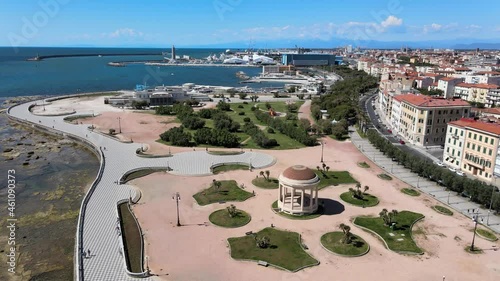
x=451 y=199
x=99 y=214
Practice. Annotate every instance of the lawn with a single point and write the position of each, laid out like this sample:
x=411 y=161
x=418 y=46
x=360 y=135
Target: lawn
x=132 y=239
x=222 y=218
x=318 y=213
x=228 y=191
x=224 y=152
x=334 y=178
x=363 y=165
x=398 y=239
x=140 y=173
x=442 y=210
x=367 y=201
x=261 y=182
x=285 y=249
x=410 y=191
x=229 y=167
x=485 y=234
x=384 y=177
x=333 y=242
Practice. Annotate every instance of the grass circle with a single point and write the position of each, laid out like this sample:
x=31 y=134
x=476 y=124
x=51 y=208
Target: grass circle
x=367 y=201
x=221 y=218
x=261 y=182
x=442 y=210
x=332 y=242
x=485 y=234
x=363 y=165
x=410 y=191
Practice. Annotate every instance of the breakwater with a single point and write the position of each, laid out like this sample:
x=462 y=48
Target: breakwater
x=39 y=58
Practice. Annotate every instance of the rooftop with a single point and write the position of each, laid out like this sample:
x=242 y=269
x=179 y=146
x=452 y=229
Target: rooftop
x=492 y=128
x=426 y=101
x=480 y=86
x=299 y=172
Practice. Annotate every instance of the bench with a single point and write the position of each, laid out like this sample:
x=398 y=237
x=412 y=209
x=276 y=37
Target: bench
x=262 y=263
x=249 y=233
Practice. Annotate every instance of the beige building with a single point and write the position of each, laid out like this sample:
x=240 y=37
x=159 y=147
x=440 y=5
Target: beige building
x=423 y=119
x=479 y=155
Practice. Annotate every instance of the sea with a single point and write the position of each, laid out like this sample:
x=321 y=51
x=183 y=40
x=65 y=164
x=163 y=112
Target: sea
x=68 y=75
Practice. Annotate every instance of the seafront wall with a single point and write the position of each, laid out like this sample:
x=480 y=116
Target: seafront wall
x=78 y=255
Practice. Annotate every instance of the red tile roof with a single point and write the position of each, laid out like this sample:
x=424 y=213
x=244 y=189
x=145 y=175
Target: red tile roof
x=449 y=78
x=479 y=86
x=478 y=125
x=426 y=101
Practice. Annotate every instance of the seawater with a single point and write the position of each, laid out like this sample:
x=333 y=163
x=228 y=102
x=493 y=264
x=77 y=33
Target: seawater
x=49 y=191
x=58 y=76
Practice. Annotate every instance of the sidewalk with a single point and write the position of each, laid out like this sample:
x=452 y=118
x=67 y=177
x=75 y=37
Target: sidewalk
x=451 y=199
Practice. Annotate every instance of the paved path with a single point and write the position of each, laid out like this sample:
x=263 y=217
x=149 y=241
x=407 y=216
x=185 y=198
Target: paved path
x=460 y=204
x=100 y=219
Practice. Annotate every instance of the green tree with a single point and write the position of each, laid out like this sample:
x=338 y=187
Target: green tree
x=243 y=95
x=347 y=238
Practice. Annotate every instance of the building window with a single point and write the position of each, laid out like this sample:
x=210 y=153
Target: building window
x=450 y=129
x=490 y=152
x=448 y=149
x=473 y=146
x=491 y=141
x=484 y=150
x=462 y=133
x=486 y=174
x=454 y=142
x=458 y=154
x=480 y=138
x=478 y=148
x=486 y=139
x=475 y=136
x=439 y=112
x=468 y=144
x=460 y=144
x=442 y=130
x=469 y=134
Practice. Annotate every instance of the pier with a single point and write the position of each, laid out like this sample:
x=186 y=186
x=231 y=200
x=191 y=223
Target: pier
x=39 y=58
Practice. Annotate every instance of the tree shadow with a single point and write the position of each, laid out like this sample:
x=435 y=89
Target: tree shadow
x=331 y=207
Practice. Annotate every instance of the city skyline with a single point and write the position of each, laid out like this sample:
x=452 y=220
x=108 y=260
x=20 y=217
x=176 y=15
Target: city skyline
x=253 y=24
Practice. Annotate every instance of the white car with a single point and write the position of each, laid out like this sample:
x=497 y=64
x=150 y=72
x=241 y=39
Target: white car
x=440 y=164
x=452 y=169
x=460 y=173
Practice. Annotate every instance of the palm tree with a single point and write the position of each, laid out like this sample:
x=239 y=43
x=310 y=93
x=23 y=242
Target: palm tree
x=384 y=215
x=317 y=167
x=262 y=174
x=268 y=173
x=392 y=216
x=366 y=189
x=262 y=242
x=231 y=210
x=324 y=166
x=347 y=238
x=327 y=168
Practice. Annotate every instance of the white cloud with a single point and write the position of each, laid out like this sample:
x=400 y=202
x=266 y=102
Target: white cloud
x=435 y=28
x=125 y=32
x=391 y=21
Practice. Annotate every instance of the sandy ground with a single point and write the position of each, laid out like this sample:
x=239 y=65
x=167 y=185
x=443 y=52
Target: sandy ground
x=199 y=251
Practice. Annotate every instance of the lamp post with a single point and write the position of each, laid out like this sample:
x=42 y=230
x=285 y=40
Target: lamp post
x=418 y=180
x=322 y=144
x=449 y=192
x=474 y=219
x=491 y=203
x=177 y=198
x=119 y=125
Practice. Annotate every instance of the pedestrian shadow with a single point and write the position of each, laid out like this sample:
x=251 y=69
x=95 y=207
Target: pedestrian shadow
x=331 y=207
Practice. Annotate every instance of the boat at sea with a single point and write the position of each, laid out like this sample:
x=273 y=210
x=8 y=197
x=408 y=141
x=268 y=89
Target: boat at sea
x=242 y=75
x=116 y=64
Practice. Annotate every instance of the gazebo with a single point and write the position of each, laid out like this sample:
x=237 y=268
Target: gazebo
x=298 y=191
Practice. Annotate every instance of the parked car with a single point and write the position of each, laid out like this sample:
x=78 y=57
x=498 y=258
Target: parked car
x=453 y=170
x=401 y=141
x=390 y=131
x=440 y=164
x=460 y=173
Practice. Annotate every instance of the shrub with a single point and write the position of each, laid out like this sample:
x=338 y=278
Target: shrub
x=253 y=108
x=245 y=102
x=240 y=106
x=241 y=113
x=246 y=119
x=270 y=130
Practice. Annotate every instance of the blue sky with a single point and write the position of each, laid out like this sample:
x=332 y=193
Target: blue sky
x=242 y=22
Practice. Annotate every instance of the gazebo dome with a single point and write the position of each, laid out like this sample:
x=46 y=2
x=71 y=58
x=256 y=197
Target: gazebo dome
x=299 y=173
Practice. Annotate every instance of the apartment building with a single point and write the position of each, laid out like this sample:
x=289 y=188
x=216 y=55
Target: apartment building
x=472 y=146
x=447 y=85
x=477 y=93
x=423 y=119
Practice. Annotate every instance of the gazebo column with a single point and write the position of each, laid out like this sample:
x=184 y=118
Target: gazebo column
x=316 y=195
x=302 y=199
x=292 y=198
x=281 y=193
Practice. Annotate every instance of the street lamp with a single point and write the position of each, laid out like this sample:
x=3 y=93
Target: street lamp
x=474 y=219
x=119 y=125
x=177 y=198
x=322 y=144
x=449 y=192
